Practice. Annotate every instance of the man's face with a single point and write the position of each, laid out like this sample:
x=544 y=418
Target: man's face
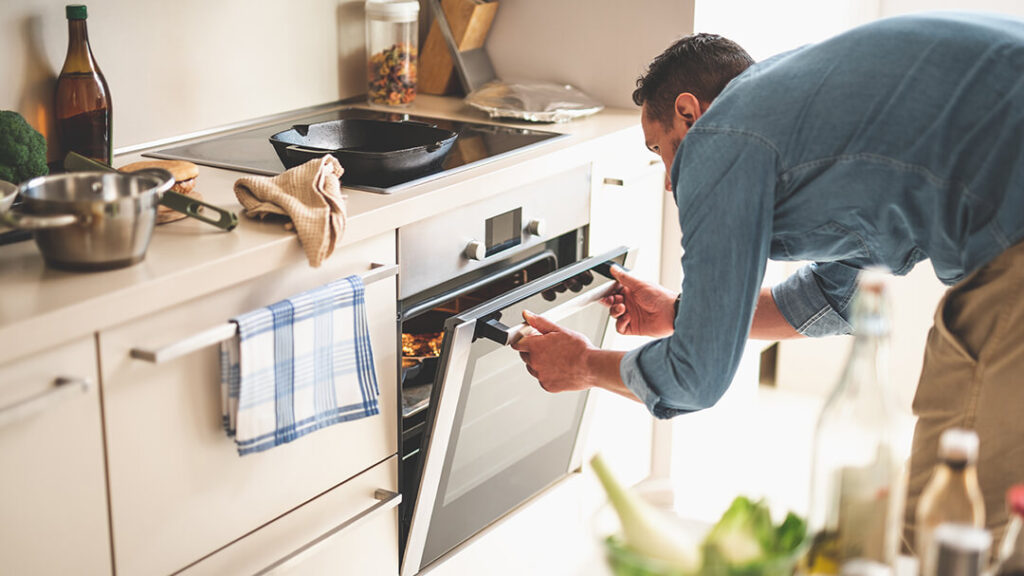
x=663 y=139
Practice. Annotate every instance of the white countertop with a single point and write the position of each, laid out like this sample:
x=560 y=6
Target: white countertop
x=42 y=307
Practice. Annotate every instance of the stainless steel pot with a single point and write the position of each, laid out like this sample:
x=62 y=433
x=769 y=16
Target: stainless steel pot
x=91 y=220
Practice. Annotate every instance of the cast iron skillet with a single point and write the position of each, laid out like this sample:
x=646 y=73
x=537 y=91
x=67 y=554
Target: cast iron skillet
x=367 y=149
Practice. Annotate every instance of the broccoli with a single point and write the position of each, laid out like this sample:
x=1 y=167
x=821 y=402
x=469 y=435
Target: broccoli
x=22 y=149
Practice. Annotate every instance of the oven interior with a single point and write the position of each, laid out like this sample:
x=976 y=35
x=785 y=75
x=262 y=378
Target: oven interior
x=422 y=321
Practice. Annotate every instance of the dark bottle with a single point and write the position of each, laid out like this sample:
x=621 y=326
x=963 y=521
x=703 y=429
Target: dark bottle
x=83 y=109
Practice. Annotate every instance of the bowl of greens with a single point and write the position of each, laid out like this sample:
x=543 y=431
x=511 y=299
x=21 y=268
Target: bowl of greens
x=642 y=533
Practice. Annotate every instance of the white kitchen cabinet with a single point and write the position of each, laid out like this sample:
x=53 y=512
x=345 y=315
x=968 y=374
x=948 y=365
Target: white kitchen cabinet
x=352 y=529
x=178 y=488
x=626 y=202
x=626 y=209
x=53 y=502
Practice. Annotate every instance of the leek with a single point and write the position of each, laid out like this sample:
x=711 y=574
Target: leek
x=648 y=531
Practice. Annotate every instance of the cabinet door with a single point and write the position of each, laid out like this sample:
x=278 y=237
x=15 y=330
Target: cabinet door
x=352 y=529
x=626 y=209
x=178 y=488
x=53 y=502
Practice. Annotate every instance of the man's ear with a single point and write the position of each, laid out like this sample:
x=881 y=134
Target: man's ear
x=687 y=108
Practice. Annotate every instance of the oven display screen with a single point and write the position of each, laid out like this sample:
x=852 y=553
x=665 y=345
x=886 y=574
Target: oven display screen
x=504 y=231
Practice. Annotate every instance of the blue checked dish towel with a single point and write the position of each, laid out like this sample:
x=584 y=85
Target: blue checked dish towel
x=299 y=365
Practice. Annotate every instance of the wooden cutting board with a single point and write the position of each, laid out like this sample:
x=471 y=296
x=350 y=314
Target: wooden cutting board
x=470 y=21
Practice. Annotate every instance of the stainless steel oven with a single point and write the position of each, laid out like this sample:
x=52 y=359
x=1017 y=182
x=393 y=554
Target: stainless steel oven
x=479 y=436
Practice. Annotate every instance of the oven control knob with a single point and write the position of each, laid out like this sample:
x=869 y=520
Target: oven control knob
x=475 y=250
x=535 y=227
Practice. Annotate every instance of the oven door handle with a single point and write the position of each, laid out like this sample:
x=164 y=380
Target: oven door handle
x=494 y=330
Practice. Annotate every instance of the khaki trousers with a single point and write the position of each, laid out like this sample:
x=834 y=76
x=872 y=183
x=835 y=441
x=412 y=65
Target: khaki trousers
x=973 y=377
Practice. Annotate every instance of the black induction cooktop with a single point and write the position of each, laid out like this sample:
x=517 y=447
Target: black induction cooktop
x=251 y=150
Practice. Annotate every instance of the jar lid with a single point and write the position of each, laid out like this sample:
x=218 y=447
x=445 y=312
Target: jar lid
x=76 y=12
x=393 y=10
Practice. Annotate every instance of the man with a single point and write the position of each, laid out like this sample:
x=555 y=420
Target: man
x=895 y=142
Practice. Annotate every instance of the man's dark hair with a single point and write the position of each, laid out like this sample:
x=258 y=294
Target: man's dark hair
x=701 y=64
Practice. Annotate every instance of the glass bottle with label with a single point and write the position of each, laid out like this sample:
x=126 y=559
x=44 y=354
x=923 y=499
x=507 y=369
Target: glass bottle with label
x=957 y=550
x=952 y=495
x=857 y=483
x=83 y=107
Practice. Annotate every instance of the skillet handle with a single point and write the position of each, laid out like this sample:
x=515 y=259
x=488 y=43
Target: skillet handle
x=418 y=123
x=226 y=219
x=303 y=150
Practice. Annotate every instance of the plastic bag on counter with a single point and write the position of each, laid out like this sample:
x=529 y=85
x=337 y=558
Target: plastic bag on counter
x=532 y=101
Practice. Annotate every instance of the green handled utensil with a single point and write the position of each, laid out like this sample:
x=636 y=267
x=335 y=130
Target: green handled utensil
x=226 y=220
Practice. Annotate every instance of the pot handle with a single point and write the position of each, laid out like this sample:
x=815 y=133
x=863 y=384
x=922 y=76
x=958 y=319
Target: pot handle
x=37 y=222
x=189 y=206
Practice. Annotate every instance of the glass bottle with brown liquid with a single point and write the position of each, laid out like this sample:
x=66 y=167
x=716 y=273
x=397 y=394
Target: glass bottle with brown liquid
x=952 y=495
x=83 y=108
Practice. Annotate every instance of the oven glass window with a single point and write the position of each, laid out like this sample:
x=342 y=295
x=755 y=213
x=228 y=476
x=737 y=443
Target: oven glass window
x=510 y=439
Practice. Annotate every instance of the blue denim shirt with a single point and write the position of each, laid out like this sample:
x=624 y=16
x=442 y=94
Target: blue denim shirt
x=898 y=141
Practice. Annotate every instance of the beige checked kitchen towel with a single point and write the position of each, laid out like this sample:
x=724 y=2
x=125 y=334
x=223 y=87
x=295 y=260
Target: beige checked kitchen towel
x=309 y=194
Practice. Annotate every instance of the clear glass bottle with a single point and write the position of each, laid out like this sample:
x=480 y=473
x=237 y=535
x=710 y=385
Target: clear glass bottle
x=1011 y=548
x=392 y=51
x=857 y=483
x=83 y=108
x=952 y=495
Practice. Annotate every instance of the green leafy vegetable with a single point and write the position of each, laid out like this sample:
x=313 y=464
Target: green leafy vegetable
x=647 y=531
x=745 y=542
x=22 y=149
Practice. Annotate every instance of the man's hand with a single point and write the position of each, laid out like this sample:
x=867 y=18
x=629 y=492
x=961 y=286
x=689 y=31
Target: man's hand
x=640 y=308
x=556 y=356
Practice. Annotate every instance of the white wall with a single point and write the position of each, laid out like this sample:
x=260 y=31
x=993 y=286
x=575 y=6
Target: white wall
x=182 y=66
x=767 y=28
x=893 y=7
x=599 y=46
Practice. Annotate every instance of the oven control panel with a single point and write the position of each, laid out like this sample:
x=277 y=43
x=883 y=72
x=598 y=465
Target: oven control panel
x=447 y=245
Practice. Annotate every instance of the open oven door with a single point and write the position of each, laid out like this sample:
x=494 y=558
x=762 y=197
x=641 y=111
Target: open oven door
x=496 y=438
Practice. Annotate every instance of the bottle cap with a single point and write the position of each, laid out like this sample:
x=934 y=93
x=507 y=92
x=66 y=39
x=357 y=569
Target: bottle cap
x=393 y=10
x=76 y=12
x=958 y=444
x=1015 y=499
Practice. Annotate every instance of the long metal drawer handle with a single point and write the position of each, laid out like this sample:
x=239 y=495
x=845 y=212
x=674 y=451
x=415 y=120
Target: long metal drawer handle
x=227 y=330
x=386 y=500
x=506 y=336
x=62 y=388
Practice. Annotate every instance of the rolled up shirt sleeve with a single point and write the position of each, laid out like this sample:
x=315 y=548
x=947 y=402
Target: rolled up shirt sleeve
x=816 y=299
x=724 y=186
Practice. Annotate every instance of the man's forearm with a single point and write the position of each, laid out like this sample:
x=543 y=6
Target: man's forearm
x=769 y=323
x=604 y=366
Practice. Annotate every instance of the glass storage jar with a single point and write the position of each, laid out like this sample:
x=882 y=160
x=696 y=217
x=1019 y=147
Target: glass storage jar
x=391 y=51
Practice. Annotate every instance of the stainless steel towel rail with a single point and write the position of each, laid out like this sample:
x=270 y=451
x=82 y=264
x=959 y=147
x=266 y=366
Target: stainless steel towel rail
x=224 y=331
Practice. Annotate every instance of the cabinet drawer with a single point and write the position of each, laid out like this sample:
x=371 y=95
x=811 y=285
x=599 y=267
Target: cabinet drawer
x=53 y=502
x=352 y=529
x=178 y=488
